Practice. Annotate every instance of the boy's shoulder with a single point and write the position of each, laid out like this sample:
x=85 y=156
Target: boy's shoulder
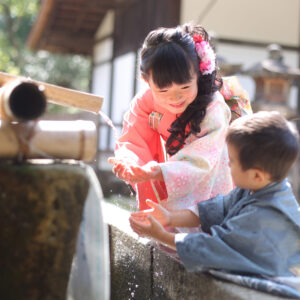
x=272 y=193
x=276 y=190
x=277 y=197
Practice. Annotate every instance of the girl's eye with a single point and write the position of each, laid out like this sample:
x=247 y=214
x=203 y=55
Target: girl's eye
x=163 y=91
x=185 y=87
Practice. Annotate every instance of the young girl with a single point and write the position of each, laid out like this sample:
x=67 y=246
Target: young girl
x=172 y=149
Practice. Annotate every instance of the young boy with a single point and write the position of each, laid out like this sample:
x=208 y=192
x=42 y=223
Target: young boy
x=256 y=228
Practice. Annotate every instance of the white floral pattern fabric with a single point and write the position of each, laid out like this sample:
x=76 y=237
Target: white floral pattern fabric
x=200 y=171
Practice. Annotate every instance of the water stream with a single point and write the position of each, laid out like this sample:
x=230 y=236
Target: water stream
x=128 y=204
x=119 y=200
x=109 y=122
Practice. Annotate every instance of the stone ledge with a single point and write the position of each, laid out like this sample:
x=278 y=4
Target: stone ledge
x=142 y=270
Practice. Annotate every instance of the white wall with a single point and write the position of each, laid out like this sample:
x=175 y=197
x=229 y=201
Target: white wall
x=140 y=83
x=107 y=26
x=265 y=21
x=123 y=86
x=103 y=51
x=101 y=81
x=101 y=86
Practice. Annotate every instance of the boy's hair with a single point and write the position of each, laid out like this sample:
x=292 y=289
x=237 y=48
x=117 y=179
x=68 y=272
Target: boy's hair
x=266 y=141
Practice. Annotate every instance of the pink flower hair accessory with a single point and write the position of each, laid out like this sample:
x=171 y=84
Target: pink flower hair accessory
x=206 y=54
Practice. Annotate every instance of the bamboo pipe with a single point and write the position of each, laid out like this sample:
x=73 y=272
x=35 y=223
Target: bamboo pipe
x=21 y=100
x=48 y=139
x=60 y=95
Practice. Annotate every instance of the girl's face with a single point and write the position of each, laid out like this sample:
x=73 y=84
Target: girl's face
x=176 y=97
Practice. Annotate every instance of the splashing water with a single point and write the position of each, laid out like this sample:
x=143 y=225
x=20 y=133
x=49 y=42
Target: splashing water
x=110 y=124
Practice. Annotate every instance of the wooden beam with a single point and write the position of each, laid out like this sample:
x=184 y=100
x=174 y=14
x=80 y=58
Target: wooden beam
x=82 y=16
x=75 y=8
x=64 y=43
x=67 y=26
x=40 y=23
x=65 y=18
x=81 y=50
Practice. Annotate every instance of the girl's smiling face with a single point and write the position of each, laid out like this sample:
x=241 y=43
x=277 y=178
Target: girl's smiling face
x=176 y=97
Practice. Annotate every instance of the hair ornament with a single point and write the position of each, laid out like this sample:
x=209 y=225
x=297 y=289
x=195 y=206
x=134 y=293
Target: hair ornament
x=206 y=54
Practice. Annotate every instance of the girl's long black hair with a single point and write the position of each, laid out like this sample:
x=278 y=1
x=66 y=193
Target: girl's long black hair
x=170 y=56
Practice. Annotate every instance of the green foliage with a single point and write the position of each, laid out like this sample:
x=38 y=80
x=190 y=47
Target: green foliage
x=16 y=20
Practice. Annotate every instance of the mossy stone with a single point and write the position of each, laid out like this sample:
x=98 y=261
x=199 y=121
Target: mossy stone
x=41 y=207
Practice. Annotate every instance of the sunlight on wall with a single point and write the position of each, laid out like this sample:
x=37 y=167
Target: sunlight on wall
x=123 y=86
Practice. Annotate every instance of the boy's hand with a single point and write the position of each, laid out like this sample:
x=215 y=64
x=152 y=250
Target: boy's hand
x=162 y=215
x=133 y=173
x=152 y=228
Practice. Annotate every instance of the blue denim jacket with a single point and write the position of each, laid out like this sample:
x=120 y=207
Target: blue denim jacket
x=246 y=233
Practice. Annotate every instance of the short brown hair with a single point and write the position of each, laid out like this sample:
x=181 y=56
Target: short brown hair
x=265 y=140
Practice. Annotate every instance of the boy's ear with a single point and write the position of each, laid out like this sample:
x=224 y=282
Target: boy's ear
x=259 y=176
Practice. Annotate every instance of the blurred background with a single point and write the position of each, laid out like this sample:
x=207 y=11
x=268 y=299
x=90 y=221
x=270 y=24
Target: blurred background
x=93 y=46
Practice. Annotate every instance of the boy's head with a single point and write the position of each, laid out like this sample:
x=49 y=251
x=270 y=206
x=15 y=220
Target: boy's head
x=262 y=148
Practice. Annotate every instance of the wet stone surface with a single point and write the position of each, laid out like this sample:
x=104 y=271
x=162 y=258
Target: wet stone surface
x=145 y=270
x=181 y=284
x=130 y=267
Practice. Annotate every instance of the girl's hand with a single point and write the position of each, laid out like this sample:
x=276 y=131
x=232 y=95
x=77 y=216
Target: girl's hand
x=151 y=170
x=150 y=229
x=162 y=215
x=133 y=173
x=120 y=168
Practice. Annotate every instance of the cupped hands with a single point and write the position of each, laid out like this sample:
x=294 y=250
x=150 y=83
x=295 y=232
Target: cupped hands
x=134 y=173
x=158 y=212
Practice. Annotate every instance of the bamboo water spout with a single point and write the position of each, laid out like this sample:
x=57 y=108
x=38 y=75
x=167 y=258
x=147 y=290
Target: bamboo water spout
x=60 y=95
x=23 y=136
x=48 y=139
x=22 y=100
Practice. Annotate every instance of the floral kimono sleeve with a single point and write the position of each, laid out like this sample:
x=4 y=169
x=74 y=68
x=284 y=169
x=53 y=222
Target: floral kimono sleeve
x=197 y=162
x=236 y=97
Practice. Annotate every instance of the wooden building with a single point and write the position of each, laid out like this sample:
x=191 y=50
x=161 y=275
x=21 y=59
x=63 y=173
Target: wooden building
x=111 y=33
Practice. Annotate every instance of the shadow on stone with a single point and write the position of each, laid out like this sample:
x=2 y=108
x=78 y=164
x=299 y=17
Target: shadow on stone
x=112 y=185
